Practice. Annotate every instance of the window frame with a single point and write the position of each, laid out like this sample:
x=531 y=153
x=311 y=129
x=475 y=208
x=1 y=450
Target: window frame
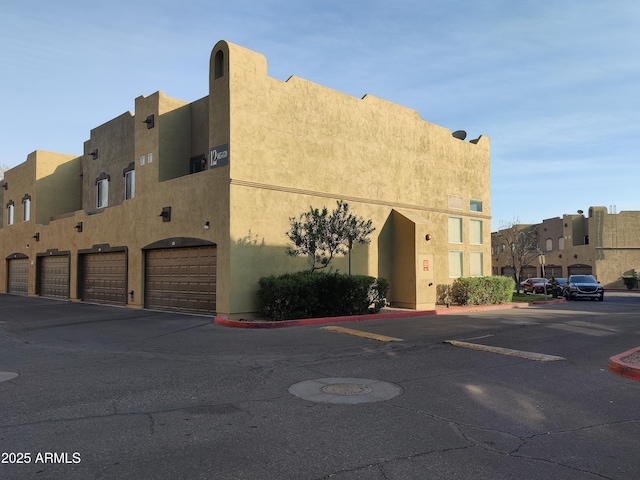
x=129 y=184
x=473 y=254
x=459 y=256
x=11 y=213
x=476 y=221
x=461 y=232
x=102 y=193
x=26 y=208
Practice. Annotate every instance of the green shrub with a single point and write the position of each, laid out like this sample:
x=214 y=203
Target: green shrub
x=482 y=290
x=309 y=295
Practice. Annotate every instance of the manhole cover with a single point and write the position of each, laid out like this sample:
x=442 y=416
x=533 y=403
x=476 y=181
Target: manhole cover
x=345 y=390
x=4 y=376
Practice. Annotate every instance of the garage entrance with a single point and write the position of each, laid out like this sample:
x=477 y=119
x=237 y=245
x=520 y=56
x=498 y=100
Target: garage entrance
x=52 y=274
x=18 y=274
x=103 y=275
x=181 y=278
x=580 y=269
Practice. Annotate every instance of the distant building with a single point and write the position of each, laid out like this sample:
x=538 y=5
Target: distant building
x=603 y=244
x=184 y=206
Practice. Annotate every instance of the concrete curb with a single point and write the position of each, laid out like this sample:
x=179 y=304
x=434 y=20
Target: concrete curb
x=618 y=366
x=221 y=320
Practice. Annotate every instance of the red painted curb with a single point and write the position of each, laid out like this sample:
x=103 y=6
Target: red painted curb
x=620 y=367
x=220 y=320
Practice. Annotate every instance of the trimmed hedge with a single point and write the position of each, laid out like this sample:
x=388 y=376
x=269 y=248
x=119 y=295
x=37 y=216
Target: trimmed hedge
x=482 y=290
x=311 y=295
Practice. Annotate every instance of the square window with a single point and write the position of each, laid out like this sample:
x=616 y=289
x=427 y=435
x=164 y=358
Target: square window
x=455 y=230
x=455 y=202
x=475 y=205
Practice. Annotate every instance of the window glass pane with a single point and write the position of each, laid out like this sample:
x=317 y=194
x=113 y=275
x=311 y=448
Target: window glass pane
x=455 y=202
x=475 y=232
x=26 y=210
x=475 y=264
x=475 y=205
x=561 y=243
x=102 y=193
x=130 y=184
x=455 y=230
x=455 y=264
x=10 y=215
x=549 y=245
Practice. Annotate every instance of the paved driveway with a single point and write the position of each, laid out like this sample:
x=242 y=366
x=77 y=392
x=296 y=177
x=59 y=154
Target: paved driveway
x=109 y=393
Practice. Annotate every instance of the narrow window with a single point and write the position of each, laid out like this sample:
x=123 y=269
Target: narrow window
x=10 y=212
x=219 y=64
x=102 y=197
x=561 y=243
x=475 y=264
x=455 y=264
x=549 y=245
x=475 y=232
x=26 y=208
x=129 y=184
x=455 y=230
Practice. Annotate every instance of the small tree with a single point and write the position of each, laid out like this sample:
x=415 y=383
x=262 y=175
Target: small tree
x=520 y=245
x=322 y=235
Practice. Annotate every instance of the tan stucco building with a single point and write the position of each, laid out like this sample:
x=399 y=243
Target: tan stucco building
x=605 y=245
x=184 y=206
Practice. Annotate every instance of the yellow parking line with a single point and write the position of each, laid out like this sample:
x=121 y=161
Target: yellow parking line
x=540 y=357
x=358 y=333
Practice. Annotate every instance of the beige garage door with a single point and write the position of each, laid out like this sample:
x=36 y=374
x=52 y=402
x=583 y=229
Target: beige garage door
x=181 y=279
x=18 y=275
x=104 y=278
x=54 y=276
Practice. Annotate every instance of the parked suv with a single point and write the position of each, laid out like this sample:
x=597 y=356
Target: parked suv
x=583 y=286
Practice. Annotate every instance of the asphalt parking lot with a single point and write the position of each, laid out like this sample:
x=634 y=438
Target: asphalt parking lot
x=103 y=392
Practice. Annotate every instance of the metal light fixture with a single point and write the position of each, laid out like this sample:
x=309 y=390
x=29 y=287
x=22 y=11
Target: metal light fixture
x=427 y=237
x=165 y=214
x=94 y=153
x=206 y=225
x=5 y=185
x=36 y=237
x=150 y=121
x=78 y=227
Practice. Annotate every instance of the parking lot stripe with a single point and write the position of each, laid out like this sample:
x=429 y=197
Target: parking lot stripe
x=358 y=333
x=540 y=357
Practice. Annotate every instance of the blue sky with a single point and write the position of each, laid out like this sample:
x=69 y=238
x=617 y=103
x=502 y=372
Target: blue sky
x=555 y=85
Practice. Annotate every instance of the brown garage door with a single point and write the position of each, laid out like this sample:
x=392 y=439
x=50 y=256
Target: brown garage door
x=181 y=279
x=18 y=278
x=104 y=278
x=54 y=276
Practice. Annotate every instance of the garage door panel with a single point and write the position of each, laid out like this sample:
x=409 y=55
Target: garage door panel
x=181 y=279
x=104 y=278
x=18 y=276
x=54 y=276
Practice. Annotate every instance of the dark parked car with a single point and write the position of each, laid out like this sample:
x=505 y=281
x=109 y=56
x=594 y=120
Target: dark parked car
x=583 y=286
x=534 y=285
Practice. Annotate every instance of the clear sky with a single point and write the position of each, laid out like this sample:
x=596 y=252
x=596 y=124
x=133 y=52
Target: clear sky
x=554 y=84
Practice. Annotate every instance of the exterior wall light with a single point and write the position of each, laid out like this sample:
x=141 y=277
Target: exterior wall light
x=150 y=121
x=427 y=237
x=94 y=153
x=5 y=185
x=78 y=227
x=165 y=214
x=206 y=225
x=575 y=255
x=36 y=237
